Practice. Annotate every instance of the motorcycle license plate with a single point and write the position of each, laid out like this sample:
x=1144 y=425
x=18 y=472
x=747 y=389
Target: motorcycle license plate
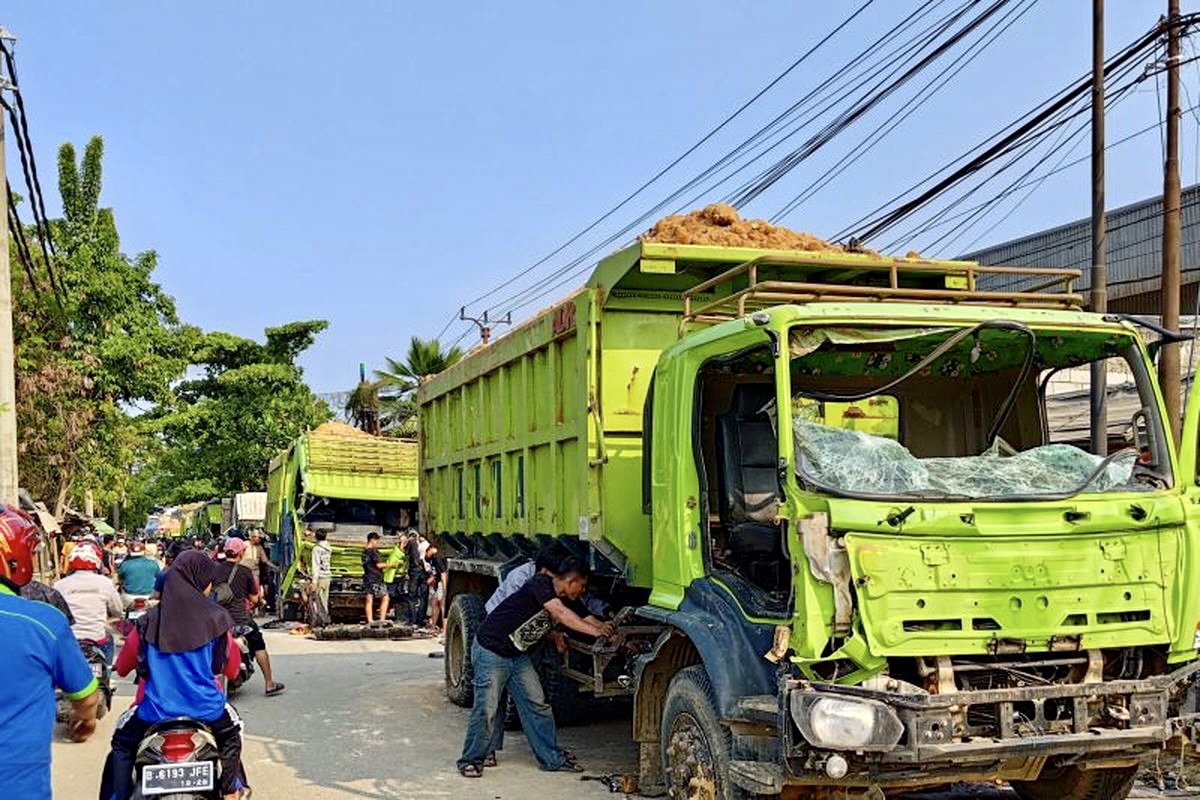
x=97 y=669
x=132 y=615
x=170 y=778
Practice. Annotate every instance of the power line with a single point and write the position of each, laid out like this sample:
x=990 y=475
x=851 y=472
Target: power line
x=839 y=78
x=847 y=118
x=37 y=201
x=18 y=233
x=1032 y=124
x=676 y=161
x=922 y=96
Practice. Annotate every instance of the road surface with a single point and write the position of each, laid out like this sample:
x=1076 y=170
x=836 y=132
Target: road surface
x=367 y=720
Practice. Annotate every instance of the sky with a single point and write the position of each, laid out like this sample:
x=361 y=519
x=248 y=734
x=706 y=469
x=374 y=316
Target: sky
x=378 y=164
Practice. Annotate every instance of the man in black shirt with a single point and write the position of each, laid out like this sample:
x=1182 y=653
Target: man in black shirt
x=373 y=584
x=236 y=588
x=501 y=662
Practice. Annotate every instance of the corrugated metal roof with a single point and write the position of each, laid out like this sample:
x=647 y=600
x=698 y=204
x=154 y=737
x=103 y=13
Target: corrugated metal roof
x=1134 y=250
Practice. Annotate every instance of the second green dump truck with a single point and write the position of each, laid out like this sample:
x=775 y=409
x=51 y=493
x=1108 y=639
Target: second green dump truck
x=844 y=547
x=349 y=484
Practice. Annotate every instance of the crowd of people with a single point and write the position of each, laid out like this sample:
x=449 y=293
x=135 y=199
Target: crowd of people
x=408 y=580
x=198 y=598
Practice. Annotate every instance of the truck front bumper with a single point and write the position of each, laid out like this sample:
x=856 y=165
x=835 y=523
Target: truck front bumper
x=969 y=735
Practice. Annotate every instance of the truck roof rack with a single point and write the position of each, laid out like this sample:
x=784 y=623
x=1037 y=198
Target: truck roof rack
x=819 y=276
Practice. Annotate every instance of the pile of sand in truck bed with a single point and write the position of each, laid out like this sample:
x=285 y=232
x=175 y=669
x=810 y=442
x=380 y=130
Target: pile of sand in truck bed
x=720 y=224
x=335 y=428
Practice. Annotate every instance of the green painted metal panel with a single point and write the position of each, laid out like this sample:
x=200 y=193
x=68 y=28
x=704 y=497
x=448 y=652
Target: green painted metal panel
x=940 y=594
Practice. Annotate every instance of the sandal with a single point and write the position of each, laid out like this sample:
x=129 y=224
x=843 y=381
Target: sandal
x=569 y=757
x=276 y=689
x=566 y=766
x=470 y=771
x=490 y=760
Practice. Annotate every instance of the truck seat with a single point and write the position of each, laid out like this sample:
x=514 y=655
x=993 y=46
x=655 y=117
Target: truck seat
x=747 y=458
x=748 y=485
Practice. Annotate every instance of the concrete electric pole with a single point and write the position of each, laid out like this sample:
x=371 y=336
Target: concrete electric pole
x=8 y=376
x=1172 y=241
x=1099 y=396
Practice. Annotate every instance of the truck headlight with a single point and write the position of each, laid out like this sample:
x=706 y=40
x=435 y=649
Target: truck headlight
x=845 y=723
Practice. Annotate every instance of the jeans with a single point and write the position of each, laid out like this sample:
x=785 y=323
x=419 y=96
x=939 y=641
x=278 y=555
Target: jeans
x=418 y=596
x=109 y=648
x=493 y=675
x=117 y=780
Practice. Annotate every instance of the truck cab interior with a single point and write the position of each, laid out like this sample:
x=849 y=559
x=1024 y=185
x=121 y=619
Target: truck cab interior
x=739 y=466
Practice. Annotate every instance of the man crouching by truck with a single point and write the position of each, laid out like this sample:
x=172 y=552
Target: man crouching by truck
x=501 y=662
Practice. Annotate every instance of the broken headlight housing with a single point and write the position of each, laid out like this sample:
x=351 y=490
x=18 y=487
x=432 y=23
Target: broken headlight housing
x=845 y=723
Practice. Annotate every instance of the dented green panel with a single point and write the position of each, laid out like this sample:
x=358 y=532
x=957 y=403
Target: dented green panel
x=923 y=595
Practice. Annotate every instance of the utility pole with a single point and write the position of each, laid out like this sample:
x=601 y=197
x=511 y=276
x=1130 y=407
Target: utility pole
x=484 y=323
x=1099 y=395
x=8 y=370
x=1172 y=241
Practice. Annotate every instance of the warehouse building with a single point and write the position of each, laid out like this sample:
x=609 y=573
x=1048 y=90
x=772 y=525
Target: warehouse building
x=1134 y=253
x=1134 y=287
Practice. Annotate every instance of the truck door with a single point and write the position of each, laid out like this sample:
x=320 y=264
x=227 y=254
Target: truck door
x=1188 y=480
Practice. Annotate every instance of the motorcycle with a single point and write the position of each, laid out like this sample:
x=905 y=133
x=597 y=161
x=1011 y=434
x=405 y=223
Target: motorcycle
x=139 y=605
x=179 y=759
x=101 y=670
x=246 y=669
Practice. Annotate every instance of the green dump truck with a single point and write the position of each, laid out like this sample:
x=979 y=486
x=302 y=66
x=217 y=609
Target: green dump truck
x=843 y=544
x=347 y=483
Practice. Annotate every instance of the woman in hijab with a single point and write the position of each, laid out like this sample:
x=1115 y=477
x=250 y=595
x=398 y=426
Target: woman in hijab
x=179 y=649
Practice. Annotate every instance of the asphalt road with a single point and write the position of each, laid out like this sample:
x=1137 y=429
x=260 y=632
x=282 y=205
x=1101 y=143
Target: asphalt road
x=367 y=720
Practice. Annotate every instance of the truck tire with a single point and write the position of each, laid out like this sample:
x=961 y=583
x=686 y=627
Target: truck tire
x=1073 y=783
x=466 y=612
x=696 y=748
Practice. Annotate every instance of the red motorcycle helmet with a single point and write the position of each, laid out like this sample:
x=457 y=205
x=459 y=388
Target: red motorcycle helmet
x=86 y=555
x=19 y=540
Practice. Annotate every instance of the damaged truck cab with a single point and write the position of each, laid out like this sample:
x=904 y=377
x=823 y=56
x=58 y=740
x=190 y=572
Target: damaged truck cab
x=846 y=517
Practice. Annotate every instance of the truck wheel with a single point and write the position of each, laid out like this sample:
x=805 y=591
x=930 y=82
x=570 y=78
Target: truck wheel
x=1073 y=783
x=466 y=612
x=695 y=746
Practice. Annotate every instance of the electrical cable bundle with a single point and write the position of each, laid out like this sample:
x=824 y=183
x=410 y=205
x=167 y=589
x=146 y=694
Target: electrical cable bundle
x=20 y=124
x=933 y=34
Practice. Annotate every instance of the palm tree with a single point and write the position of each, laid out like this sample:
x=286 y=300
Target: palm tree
x=364 y=407
x=425 y=359
x=397 y=383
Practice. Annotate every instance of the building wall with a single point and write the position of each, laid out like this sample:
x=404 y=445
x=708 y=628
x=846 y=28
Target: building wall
x=1134 y=253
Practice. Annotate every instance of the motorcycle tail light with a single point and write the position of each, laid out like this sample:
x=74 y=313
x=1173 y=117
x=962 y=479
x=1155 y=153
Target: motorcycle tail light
x=140 y=603
x=178 y=746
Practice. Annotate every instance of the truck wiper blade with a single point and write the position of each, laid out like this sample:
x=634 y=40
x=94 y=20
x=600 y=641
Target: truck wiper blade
x=1167 y=336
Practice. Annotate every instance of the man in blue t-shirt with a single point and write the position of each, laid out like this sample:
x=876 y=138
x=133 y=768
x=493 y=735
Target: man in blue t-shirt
x=137 y=574
x=39 y=655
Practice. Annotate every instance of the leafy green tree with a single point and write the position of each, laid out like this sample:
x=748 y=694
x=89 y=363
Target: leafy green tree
x=249 y=402
x=110 y=341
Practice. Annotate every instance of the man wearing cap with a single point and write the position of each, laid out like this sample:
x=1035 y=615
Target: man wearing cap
x=239 y=601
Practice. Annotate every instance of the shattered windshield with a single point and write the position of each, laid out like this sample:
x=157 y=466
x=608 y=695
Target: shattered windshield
x=961 y=413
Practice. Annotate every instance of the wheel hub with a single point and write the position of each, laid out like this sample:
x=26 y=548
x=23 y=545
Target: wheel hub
x=691 y=774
